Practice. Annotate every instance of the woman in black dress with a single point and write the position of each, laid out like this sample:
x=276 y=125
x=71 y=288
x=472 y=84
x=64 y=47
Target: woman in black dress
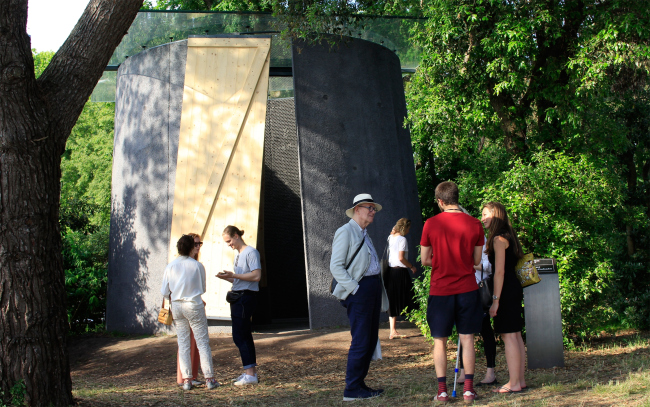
x=504 y=250
x=397 y=281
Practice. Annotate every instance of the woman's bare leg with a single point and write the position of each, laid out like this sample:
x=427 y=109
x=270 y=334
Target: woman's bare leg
x=393 y=331
x=522 y=351
x=513 y=358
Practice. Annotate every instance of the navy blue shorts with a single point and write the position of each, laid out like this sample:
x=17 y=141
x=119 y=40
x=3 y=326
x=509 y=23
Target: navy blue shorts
x=463 y=310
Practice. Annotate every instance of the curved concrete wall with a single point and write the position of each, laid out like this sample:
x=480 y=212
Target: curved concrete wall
x=350 y=111
x=147 y=121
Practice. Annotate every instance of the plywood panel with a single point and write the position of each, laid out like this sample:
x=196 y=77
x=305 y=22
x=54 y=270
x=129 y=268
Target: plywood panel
x=220 y=152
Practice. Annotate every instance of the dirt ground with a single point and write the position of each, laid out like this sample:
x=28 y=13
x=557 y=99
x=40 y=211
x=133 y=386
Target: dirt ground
x=308 y=368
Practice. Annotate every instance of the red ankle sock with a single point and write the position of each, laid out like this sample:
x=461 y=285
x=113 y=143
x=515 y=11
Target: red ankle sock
x=469 y=383
x=442 y=385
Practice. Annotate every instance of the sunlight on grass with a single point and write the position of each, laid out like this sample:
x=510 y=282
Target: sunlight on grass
x=557 y=387
x=93 y=391
x=635 y=384
x=542 y=378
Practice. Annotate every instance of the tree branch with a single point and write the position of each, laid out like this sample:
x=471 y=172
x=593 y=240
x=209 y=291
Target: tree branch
x=514 y=130
x=72 y=74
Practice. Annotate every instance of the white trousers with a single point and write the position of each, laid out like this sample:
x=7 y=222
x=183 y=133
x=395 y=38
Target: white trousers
x=186 y=315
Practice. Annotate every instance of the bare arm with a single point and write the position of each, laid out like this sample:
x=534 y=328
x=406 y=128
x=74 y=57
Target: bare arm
x=477 y=256
x=402 y=259
x=254 y=276
x=500 y=246
x=425 y=255
x=224 y=276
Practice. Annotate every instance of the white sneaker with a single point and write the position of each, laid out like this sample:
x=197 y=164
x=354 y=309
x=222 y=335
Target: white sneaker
x=197 y=382
x=187 y=385
x=241 y=376
x=247 y=379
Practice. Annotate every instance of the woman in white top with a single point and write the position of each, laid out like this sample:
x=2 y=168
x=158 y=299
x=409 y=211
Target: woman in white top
x=195 y=356
x=184 y=282
x=245 y=278
x=397 y=281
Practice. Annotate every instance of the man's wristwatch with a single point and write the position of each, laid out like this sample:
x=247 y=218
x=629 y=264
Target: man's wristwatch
x=494 y=297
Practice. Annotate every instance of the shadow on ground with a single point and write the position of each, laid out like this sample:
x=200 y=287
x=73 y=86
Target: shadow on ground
x=308 y=368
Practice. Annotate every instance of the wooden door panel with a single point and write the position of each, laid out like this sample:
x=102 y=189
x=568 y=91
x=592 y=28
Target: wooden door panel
x=220 y=152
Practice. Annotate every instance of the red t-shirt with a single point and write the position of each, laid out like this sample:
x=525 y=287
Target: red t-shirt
x=452 y=238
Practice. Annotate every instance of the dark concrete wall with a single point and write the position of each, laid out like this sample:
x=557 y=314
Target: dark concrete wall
x=350 y=110
x=148 y=106
x=283 y=243
x=147 y=121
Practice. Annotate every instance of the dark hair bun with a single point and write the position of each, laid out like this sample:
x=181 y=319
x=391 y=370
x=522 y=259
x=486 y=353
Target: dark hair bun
x=185 y=245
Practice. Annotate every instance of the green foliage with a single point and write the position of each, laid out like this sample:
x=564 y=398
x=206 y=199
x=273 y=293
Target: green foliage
x=419 y=315
x=565 y=208
x=308 y=19
x=84 y=214
x=17 y=395
x=213 y=5
x=41 y=60
x=85 y=262
x=545 y=107
x=86 y=162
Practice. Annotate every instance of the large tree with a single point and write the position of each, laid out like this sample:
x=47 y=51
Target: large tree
x=36 y=118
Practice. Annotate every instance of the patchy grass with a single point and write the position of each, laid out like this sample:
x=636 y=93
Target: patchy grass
x=308 y=368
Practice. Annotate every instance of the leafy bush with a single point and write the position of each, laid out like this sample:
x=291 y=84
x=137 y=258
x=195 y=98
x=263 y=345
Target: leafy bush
x=16 y=393
x=419 y=315
x=566 y=208
x=84 y=214
x=84 y=260
x=570 y=209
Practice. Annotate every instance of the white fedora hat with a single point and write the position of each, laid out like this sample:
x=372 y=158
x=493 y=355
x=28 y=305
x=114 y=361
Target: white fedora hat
x=358 y=200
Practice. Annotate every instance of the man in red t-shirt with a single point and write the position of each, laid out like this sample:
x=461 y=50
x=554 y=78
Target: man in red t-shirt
x=451 y=244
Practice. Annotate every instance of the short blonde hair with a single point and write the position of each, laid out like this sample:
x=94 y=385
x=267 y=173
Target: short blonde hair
x=402 y=226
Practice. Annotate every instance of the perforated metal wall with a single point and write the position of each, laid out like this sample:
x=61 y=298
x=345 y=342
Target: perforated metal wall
x=282 y=218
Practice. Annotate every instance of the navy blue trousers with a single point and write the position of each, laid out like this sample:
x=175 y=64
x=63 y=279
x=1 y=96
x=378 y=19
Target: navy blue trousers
x=240 y=314
x=363 y=309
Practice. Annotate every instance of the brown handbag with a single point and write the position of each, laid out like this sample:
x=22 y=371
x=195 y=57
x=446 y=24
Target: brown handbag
x=165 y=314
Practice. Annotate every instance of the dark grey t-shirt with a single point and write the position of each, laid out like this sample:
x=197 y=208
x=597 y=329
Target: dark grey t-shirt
x=245 y=262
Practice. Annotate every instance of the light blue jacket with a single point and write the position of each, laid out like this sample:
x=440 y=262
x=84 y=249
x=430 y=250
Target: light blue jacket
x=346 y=241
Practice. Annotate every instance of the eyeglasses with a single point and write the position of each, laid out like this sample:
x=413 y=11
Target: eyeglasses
x=370 y=209
x=198 y=244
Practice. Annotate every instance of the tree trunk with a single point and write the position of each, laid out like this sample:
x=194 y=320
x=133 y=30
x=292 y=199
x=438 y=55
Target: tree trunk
x=628 y=161
x=36 y=117
x=33 y=322
x=646 y=181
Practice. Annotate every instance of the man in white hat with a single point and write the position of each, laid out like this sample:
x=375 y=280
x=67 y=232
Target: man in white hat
x=355 y=267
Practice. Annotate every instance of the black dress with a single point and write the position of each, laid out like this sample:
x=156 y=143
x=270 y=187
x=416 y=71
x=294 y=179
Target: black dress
x=399 y=289
x=509 y=315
